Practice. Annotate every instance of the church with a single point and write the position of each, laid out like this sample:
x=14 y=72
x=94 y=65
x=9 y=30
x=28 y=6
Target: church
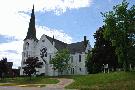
x=32 y=47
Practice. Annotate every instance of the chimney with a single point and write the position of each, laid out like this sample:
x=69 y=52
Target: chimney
x=85 y=41
x=53 y=41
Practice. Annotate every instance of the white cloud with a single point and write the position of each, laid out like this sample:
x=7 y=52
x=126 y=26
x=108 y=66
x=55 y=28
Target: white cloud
x=60 y=35
x=60 y=6
x=15 y=24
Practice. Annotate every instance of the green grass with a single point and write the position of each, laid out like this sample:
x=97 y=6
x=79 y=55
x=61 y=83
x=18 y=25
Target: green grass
x=111 y=81
x=26 y=81
x=101 y=81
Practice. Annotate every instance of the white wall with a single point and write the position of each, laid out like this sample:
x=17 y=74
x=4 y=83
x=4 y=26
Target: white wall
x=34 y=51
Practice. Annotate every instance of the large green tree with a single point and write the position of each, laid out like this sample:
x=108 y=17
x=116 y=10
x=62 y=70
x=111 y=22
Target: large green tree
x=60 y=60
x=102 y=53
x=120 y=30
x=31 y=64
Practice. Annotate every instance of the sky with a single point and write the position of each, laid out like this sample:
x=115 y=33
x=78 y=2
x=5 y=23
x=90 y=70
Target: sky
x=68 y=20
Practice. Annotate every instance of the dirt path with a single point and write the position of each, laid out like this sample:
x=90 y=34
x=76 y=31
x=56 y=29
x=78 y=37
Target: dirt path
x=63 y=82
x=59 y=86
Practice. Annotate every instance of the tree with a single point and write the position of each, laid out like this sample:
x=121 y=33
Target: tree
x=89 y=63
x=31 y=64
x=120 y=30
x=102 y=53
x=131 y=56
x=60 y=60
x=3 y=67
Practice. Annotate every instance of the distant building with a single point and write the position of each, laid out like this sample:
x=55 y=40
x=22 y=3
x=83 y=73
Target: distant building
x=46 y=47
x=12 y=72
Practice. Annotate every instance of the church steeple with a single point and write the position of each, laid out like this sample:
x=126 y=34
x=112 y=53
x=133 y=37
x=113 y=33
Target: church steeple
x=31 y=34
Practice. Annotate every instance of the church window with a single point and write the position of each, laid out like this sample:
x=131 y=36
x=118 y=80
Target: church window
x=43 y=40
x=27 y=46
x=43 y=53
x=80 y=69
x=79 y=58
x=27 y=54
x=73 y=71
x=50 y=57
x=71 y=59
x=24 y=54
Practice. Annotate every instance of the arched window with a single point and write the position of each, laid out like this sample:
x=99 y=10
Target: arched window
x=24 y=54
x=27 y=45
x=79 y=58
x=27 y=54
x=50 y=57
x=43 y=40
x=80 y=69
x=71 y=59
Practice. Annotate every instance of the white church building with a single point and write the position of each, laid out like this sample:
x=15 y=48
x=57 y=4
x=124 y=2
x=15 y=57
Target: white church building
x=46 y=47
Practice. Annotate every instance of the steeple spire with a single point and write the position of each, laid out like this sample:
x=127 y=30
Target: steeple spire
x=31 y=34
x=33 y=6
x=33 y=9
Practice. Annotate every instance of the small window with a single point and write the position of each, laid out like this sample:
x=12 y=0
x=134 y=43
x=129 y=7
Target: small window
x=79 y=58
x=24 y=54
x=50 y=57
x=73 y=70
x=80 y=69
x=71 y=59
x=27 y=46
x=24 y=62
x=27 y=54
x=43 y=40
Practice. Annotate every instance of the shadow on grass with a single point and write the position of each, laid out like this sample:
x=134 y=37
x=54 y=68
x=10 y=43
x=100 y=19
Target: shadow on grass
x=27 y=80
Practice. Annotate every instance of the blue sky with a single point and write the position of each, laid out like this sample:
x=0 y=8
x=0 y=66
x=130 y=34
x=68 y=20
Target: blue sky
x=67 y=20
x=78 y=22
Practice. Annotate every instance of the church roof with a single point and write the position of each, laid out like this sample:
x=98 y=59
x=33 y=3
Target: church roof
x=77 y=47
x=58 y=44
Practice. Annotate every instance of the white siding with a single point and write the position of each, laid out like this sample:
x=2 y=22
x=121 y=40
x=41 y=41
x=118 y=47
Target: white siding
x=34 y=51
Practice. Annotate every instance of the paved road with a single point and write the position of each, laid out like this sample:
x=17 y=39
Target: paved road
x=60 y=86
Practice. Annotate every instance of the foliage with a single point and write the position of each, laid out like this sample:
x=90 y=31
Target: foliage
x=104 y=81
x=120 y=30
x=131 y=56
x=89 y=64
x=3 y=67
x=102 y=53
x=31 y=64
x=60 y=60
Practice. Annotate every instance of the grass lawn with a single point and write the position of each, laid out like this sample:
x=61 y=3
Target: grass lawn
x=101 y=81
x=35 y=81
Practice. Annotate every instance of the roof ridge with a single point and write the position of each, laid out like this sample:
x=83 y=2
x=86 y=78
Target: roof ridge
x=56 y=39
